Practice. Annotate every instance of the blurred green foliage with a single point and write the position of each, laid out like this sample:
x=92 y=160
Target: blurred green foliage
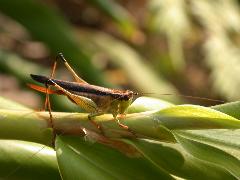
x=191 y=47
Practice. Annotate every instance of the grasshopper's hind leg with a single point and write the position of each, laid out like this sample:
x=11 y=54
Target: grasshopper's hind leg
x=83 y=102
x=74 y=74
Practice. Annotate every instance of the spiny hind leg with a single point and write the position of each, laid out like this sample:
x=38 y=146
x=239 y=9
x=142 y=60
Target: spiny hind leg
x=74 y=74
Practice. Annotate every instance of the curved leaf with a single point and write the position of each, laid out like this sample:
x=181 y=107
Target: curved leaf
x=194 y=117
x=232 y=109
x=25 y=160
x=79 y=158
x=7 y=104
x=174 y=159
x=225 y=139
x=24 y=125
x=211 y=154
x=143 y=104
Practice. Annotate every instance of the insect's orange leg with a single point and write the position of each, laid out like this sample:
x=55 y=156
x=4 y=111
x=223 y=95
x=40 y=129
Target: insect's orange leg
x=47 y=105
x=90 y=116
x=125 y=127
x=50 y=123
x=47 y=87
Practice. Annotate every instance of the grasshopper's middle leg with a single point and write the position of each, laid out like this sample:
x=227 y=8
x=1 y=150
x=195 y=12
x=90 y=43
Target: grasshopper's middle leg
x=50 y=123
x=47 y=105
x=92 y=115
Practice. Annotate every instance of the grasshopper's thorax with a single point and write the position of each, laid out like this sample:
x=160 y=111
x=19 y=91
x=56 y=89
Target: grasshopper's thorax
x=120 y=104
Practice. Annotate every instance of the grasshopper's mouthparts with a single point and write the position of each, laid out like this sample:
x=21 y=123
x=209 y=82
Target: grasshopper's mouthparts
x=41 y=79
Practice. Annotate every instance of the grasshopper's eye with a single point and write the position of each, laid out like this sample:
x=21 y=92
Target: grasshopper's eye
x=135 y=93
x=131 y=93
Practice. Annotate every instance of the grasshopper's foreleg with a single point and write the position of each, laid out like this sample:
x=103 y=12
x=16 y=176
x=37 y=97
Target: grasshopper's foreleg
x=120 y=124
x=124 y=126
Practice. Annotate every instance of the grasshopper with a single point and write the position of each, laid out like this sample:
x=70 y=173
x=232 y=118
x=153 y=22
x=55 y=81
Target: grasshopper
x=93 y=99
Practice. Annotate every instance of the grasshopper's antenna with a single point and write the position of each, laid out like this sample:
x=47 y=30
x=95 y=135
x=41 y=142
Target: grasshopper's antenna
x=186 y=96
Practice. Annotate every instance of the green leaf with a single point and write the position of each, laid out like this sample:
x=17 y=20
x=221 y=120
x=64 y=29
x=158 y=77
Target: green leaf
x=7 y=104
x=24 y=125
x=160 y=155
x=79 y=158
x=225 y=139
x=143 y=104
x=25 y=160
x=232 y=109
x=211 y=154
x=174 y=159
x=194 y=117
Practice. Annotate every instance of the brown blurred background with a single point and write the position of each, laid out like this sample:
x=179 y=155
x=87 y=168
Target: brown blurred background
x=189 y=47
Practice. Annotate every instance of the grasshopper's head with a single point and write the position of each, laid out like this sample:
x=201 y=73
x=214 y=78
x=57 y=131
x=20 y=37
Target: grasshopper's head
x=125 y=101
x=121 y=102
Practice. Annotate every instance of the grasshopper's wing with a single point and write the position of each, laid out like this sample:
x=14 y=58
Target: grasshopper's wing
x=84 y=102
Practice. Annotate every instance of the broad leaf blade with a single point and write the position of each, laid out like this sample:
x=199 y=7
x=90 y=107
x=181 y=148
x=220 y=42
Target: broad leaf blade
x=225 y=139
x=232 y=109
x=8 y=104
x=211 y=154
x=195 y=117
x=25 y=160
x=143 y=104
x=79 y=158
x=174 y=159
